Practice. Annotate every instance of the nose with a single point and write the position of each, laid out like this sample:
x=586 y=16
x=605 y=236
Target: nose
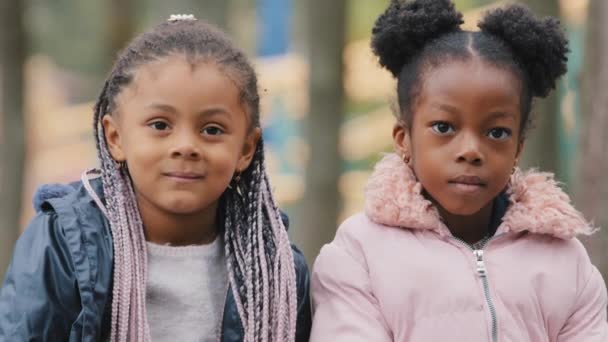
x=185 y=146
x=469 y=150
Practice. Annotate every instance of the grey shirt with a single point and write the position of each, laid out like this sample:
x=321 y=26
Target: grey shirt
x=186 y=291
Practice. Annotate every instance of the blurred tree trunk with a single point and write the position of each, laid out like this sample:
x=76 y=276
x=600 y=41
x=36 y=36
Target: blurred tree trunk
x=12 y=134
x=237 y=17
x=317 y=214
x=216 y=12
x=542 y=148
x=120 y=27
x=592 y=182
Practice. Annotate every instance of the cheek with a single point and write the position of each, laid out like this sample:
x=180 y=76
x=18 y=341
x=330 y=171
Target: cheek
x=223 y=161
x=502 y=156
x=427 y=165
x=224 y=173
x=427 y=153
x=143 y=157
x=142 y=173
x=428 y=174
x=502 y=172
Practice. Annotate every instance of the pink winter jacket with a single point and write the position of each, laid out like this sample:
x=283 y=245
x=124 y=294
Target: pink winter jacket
x=396 y=273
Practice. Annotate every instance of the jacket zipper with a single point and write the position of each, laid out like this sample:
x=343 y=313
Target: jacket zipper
x=481 y=272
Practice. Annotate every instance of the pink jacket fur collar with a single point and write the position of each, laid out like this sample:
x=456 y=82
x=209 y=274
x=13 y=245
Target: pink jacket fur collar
x=537 y=203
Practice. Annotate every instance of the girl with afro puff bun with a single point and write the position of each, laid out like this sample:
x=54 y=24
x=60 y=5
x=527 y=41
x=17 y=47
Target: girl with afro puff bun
x=456 y=243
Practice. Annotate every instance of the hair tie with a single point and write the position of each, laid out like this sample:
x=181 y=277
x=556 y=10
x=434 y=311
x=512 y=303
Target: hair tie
x=181 y=17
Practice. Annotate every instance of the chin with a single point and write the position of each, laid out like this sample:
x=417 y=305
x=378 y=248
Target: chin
x=184 y=206
x=462 y=210
x=184 y=210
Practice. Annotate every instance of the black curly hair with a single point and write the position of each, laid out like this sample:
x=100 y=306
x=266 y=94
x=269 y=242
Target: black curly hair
x=412 y=36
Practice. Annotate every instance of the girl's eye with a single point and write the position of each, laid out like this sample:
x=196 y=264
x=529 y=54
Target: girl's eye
x=212 y=130
x=159 y=125
x=442 y=128
x=499 y=133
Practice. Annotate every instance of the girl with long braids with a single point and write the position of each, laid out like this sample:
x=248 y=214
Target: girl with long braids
x=177 y=237
x=456 y=243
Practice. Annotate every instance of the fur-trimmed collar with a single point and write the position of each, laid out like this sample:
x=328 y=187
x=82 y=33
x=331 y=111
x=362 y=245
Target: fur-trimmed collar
x=537 y=204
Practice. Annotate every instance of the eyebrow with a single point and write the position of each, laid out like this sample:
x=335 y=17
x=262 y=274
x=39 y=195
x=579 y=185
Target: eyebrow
x=211 y=111
x=492 y=115
x=498 y=115
x=447 y=108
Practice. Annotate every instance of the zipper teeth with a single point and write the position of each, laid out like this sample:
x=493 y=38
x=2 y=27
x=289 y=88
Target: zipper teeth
x=486 y=290
x=478 y=253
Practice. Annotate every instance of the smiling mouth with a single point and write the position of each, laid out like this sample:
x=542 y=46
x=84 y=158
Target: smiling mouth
x=184 y=176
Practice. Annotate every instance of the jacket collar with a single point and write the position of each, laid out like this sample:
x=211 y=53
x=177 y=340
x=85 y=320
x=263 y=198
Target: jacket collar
x=536 y=203
x=54 y=191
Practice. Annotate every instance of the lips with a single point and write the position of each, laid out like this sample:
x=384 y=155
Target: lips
x=467 y=185
x=184 y=175
x=468 y=180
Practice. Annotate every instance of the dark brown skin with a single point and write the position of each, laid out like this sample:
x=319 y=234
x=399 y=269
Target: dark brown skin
x=184 y=134
x=464 y=141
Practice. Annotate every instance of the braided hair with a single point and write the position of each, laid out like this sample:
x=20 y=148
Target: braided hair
x=411 y=37
x=258 y=253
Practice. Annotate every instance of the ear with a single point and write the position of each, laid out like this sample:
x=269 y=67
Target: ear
x=401 y=141
x=251 y=143
x=112 y=134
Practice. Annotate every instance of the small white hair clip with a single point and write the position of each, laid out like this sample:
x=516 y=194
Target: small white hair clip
x=178 y=17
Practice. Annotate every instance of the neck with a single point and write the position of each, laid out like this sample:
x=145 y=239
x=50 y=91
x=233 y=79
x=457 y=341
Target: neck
x=163 y=227
x=469 y=228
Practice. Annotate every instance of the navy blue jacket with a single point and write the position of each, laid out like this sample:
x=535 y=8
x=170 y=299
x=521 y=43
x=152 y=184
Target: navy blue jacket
x=58 y=286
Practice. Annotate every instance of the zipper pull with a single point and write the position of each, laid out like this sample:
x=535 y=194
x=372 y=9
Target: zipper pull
x=481 y=267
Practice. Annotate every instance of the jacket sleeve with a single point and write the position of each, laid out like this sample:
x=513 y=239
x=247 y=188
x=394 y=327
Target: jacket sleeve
x=588 y=321
x=344 y=306
x=304 y=319
x=39 y=296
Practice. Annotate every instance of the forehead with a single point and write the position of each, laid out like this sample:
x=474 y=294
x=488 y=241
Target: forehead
x=176 y=79
x=471 y=82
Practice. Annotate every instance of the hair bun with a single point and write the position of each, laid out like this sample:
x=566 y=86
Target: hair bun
x=405 y=27
x=539 y=44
